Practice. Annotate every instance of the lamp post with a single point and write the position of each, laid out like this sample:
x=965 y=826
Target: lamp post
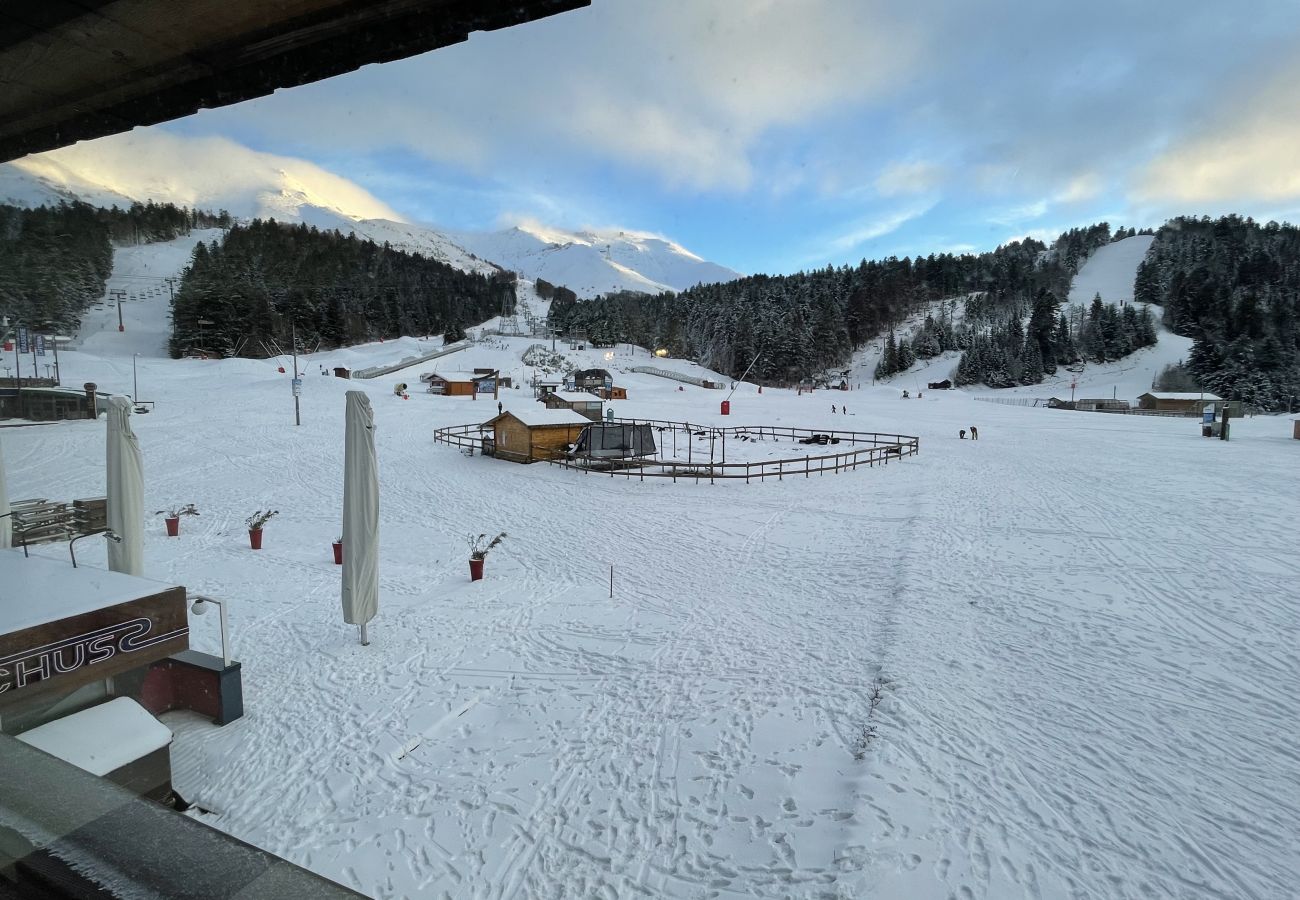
x=200 y=607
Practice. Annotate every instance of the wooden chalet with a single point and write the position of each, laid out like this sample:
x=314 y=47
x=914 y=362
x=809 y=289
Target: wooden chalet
x=530 y=434
x=1178 y=401
x=463 y=384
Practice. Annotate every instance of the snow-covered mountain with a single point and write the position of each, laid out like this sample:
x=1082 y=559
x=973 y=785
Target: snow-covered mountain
x=596 y=261
x=216 y=173
x=207 y=173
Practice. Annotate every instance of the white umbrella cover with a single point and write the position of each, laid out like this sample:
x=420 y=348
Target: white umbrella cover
x=125 y=491
x=6 y=527
x=360 y=514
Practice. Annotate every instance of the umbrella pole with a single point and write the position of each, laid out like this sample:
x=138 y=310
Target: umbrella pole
x=365 y=639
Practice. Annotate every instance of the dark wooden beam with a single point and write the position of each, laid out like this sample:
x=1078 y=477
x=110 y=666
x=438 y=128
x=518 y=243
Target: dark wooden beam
x=72 y=71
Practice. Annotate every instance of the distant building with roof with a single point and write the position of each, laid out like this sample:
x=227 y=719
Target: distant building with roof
x=579 y=401
x=462 y=384
x=1178 y=401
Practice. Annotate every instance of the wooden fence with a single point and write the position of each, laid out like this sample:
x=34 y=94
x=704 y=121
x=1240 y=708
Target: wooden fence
x=872 y=448
x=1016 y=401
x=466 y=437
x=868 y=449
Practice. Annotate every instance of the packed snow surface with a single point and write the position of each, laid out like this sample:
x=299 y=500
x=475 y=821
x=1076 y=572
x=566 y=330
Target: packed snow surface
x=1059 y=661
x=64 y=591
x=1110 y=271
x=101 y=738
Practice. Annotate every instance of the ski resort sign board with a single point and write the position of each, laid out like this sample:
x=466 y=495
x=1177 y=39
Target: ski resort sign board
x=69 y=627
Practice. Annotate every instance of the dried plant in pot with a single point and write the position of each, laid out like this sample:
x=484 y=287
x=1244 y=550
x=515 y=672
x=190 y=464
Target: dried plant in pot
x=173 y=515
x=255 y=523
x=479 y=547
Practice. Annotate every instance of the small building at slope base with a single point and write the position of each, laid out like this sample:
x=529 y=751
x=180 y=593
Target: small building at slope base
x=529 y=435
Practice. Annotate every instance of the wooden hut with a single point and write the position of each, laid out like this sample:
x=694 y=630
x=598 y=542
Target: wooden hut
x=530 y=434
x=1190 y=402
x=579 y=401
x=462 y=384
x=613 y=392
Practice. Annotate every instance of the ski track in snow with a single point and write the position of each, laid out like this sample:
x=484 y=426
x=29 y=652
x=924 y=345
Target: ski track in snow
x=1083 y=628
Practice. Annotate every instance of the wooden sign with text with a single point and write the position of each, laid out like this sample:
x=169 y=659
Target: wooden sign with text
x=68 y=653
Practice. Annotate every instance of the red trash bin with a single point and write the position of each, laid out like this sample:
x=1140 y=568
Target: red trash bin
x=338 y=553
x=726 y=407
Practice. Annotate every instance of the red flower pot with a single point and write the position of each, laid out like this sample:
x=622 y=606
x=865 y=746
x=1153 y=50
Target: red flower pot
x=173 y=525
x=475 y=569
x=255 y=538
x=338 y=553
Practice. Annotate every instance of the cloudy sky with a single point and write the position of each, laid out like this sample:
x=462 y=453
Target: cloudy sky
x=772 y=135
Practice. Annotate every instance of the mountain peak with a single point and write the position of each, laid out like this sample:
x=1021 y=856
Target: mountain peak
x=215 y=173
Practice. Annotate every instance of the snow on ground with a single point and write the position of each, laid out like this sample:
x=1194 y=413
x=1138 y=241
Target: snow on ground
x=1110 y=271
x=1017 y=667
x=141 y=272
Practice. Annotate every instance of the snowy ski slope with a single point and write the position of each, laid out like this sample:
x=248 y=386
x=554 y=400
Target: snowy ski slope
x=1109 y=272
x=1057 y=662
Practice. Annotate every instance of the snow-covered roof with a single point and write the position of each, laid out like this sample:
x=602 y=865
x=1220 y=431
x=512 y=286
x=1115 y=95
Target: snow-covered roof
x=540 y=415
x=102 y=738
x=1182 y=395
x=462 y=376
x=575 y=396
x=38 y=590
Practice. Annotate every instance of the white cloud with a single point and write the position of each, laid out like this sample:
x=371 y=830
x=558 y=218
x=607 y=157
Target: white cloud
x=686 y=91
x=871 y=229
x=1246 y=152
x=1014 y=215
x=683 y=153
x=910 y=178
x=1084 y=186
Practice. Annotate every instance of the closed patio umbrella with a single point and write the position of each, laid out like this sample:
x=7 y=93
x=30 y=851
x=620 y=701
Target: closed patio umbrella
x=360 y=514
x=6 y=528
x=125 y=491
